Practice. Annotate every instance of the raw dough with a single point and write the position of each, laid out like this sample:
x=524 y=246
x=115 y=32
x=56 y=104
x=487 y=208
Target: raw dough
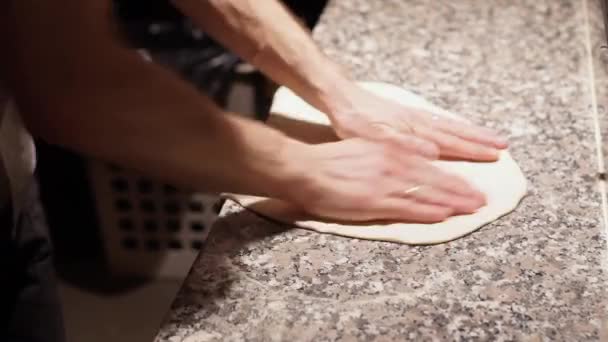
x=503 y=182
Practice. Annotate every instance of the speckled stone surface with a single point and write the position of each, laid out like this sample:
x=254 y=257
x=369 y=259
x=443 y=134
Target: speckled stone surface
x=598 y=45
x=537 y=274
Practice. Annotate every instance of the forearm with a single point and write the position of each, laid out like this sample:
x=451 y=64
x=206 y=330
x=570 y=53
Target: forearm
x=156 y=124
x=268 y=36
x=104 y=101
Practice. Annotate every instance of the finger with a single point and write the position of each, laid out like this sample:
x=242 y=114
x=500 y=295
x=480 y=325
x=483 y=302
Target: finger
x=472 y=133
x=460 y=204
x=439 y=187
x=405 y=142
x=456 y=147
x=408 y=210
x=454 y=184
x=424 y=173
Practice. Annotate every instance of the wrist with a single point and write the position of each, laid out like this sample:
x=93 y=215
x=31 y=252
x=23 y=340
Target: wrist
x=292 y=177
x=338 y=98
x=326 y=86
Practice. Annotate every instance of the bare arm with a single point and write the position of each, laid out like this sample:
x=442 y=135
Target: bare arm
x=78 y=87
x=264 y=32
x=267 y=35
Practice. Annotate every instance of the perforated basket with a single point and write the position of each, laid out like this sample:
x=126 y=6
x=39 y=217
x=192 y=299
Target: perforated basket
x=149 y=229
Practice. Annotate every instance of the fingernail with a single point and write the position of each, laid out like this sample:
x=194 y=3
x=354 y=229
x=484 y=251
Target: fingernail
x=482 y=197
x=469 y=204
x=491 y=154
x=472 y=193
x=469 y=209
x=477 y=195
x=447 y=212
x=502 y=141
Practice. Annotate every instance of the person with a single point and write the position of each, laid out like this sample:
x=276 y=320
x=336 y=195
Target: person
x=77 y=84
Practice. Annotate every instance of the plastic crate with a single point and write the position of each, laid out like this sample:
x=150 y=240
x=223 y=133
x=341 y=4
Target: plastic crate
x=148 y=228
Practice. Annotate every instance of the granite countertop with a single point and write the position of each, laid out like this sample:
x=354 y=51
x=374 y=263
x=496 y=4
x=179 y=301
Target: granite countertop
x=526 y=67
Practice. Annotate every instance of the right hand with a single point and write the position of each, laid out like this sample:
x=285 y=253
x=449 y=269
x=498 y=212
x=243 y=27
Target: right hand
x=360 y=180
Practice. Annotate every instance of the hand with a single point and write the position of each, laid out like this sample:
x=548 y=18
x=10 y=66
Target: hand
x=360 y=180
x=370 y=116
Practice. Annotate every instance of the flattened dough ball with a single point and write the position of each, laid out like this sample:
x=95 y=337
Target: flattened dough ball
x=502 y=181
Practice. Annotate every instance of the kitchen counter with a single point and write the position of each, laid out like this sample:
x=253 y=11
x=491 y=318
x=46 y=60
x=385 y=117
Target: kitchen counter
x=525 y=67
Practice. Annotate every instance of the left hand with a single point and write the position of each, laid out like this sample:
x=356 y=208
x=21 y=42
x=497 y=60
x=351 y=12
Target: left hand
x=373 y=117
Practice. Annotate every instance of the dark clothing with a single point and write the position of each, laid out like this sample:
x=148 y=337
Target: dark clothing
x=30 y=310
x=29 y=302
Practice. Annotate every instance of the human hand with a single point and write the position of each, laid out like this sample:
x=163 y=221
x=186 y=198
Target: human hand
x=367 y=115
x=361 y=180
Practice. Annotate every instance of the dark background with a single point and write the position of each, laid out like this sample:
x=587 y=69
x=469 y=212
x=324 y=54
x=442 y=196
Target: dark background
x=65 y=191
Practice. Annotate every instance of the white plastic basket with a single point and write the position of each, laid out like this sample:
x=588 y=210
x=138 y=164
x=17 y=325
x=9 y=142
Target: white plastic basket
x=149 y=229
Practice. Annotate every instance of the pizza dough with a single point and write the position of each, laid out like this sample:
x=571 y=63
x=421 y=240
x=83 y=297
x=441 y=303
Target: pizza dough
x=502 y=181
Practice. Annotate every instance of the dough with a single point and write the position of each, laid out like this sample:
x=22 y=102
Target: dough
x=502 y=181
